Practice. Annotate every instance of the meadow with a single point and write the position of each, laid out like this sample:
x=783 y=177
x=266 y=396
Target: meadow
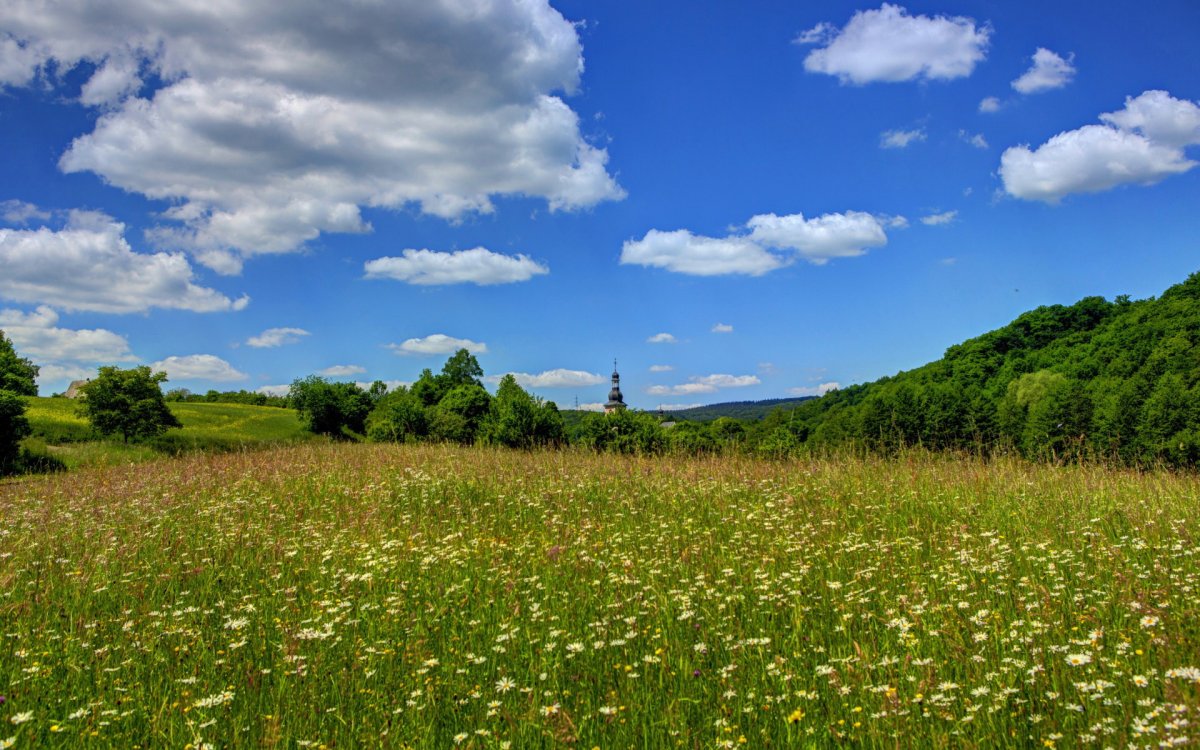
x=58 y=429
x=324 y=595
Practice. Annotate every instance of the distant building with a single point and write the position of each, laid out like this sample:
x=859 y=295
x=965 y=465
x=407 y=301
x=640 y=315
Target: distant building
x=615 y=400
x=73 y=389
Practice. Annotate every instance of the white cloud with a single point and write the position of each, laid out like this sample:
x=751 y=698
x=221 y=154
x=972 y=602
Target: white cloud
x=677 y=407
x=934 y=220
x=661 y=368
x=818 y=239
x=88 y=265
x=817 y=390
x=20 y=212
x=276 y=122
x=557 y=378
x=1159 y=117
x=836 y=235
x=1049 y=71
x=391 y=384
x=900 y=138
x=683 y=252
x=685 y=389
x=890 y=45
x=341 y=371
x=198 y=367
x=273 y=390
x=989 y=104
x=661 y=338
x=56 y=373
x=476 y=266
x=437 y=343
x=722 y=328
x=36 y=336
x=704 y=384
x=273 y=337
x=727 y=381
x=594 y=406
x=977 y=140
x=1141 y=144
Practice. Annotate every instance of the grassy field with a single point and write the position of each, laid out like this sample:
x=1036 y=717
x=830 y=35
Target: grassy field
x=379 y=596
x=209 y=427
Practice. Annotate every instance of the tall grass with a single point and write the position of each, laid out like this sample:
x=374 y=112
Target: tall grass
x=425 y=596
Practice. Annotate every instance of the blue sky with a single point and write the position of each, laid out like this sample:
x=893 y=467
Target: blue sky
x=736 y=200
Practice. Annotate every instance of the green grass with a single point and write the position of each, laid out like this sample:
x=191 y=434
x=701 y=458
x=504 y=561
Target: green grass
x=206 y=427
x=423 y=596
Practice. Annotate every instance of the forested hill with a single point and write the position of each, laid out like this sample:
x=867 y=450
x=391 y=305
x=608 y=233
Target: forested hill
x=1114 y=379
x=745 y=410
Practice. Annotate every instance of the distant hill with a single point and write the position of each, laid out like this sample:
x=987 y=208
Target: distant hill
x=750 y=411
x=1116 y=379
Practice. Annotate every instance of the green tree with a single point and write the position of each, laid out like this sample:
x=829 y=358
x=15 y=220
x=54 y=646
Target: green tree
x=462 y=369
x=518 y=420
x=13 y=427
x=459 y=414
x=335 y=409
x=17 y=374
x=127 y=402
x=398 y=417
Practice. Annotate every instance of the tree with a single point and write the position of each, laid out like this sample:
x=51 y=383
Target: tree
x=462 y=369
x=330 y=408
x=398 y=417
x=127 y=402
x=17 y=374
x=458 y=415
x=518 y=420
x=13 y=427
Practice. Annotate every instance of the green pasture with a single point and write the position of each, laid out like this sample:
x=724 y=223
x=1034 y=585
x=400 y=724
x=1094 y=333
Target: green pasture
x=61 y=431
x=336 y=595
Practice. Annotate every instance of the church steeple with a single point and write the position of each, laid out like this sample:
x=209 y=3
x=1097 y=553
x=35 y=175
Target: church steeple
x=615 y=399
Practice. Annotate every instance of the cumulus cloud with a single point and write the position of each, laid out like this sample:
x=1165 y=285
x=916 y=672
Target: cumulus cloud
x=900 y=138
x=20 y=212
x=704 y=384
x=661 y=338
x=198 y=367
x=437 y=343
x=1049 y=71
x=934 y=220
x=476 y=266
x=1140 y=144
x=890 y=45
x=273 y=337
x=88 y=265
x=677 y=407
x=769 y=244
x=815 y=390
x=341 y=371
x=37 y=336
x=722 y=328
x=683 y=252
x=989 y=104
x=273 y=390
x=273 y=123
x=557 y=378
x=818 y=239
x=661 y=368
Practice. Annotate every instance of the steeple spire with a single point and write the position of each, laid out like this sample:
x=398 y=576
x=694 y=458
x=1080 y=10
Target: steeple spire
x=615 y=399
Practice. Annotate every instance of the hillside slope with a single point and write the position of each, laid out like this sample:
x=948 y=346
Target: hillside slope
x=1116 y=379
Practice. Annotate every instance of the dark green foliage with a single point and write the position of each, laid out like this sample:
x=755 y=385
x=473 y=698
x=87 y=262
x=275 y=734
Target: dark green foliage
x=459 y=413
x=336 y=409
x=623 y=431
x=748 y=411
x=250 y=398
x=398 y=417
x=518 y=420
x=128 y=403
x=13 y=427
x=1116 y=380
x=17 y=374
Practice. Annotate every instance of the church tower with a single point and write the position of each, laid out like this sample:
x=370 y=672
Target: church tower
x=615 y=400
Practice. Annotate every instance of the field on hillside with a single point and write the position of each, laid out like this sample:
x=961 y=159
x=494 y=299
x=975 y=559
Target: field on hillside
x=205 y=427
x=363 y=595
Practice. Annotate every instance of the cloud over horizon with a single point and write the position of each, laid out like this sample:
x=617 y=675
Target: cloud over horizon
x=478 y=266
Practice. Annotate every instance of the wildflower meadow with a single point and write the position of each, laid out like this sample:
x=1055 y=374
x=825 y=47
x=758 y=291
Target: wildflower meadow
x=438 y=597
